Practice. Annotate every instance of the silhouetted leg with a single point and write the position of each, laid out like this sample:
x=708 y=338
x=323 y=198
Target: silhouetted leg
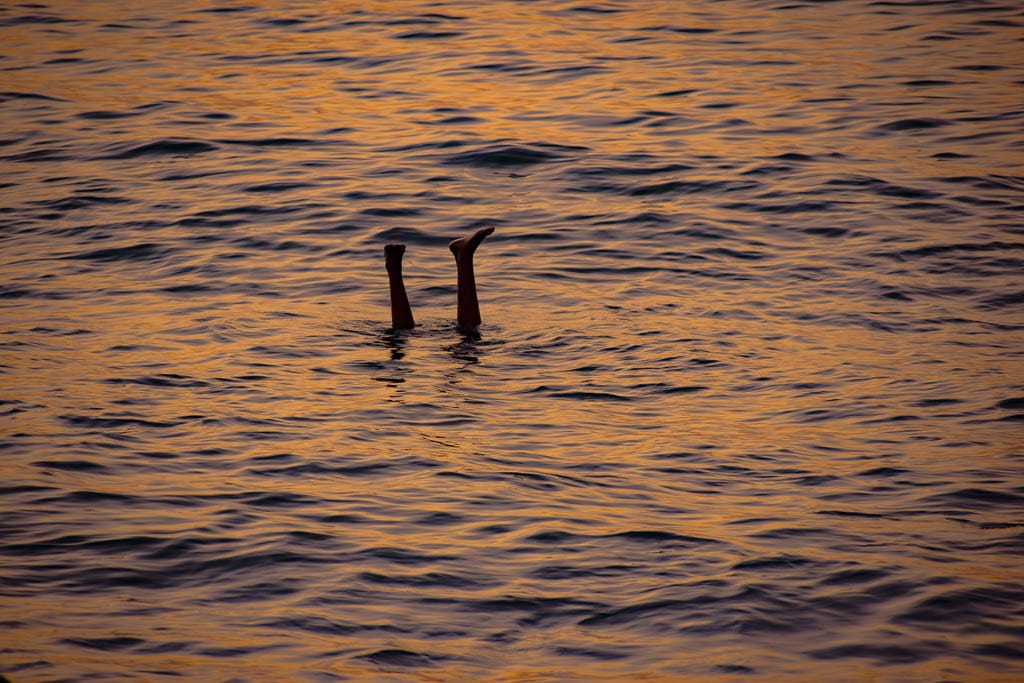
x=401 y=312
x=463 y=249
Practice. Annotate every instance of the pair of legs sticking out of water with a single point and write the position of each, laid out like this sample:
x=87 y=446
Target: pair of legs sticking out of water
x=468 y=307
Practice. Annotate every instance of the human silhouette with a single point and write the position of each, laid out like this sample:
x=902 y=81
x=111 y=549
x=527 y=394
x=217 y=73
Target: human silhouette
x=468 y=305
x=401 y=312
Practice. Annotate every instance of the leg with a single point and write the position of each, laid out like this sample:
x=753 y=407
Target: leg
x=463 y=249
x=401 y=312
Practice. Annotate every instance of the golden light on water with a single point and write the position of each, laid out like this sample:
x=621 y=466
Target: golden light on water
x=742 y=405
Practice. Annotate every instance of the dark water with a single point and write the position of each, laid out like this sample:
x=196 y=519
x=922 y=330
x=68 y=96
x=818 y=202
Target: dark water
x=746 y=403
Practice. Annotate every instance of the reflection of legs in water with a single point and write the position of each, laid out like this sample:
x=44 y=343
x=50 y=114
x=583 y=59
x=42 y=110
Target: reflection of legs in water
x=395 y=342
x=401 y=312
x=463 y=249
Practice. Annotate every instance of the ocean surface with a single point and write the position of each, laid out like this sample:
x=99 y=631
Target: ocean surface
x=746 y=405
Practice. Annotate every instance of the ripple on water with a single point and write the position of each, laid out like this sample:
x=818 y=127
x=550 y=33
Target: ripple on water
x=746 y=379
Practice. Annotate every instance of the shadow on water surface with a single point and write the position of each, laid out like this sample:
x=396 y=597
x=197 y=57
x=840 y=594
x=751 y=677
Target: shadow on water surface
x=396 y=342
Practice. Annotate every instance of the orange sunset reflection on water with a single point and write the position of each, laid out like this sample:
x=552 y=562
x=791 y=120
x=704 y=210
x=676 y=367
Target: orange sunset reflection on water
x=744 y=405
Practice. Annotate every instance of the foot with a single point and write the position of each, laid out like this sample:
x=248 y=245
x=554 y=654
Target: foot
x=465 y=246
x=393 y=254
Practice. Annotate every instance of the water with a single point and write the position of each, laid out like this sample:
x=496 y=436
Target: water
x=746 y=403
